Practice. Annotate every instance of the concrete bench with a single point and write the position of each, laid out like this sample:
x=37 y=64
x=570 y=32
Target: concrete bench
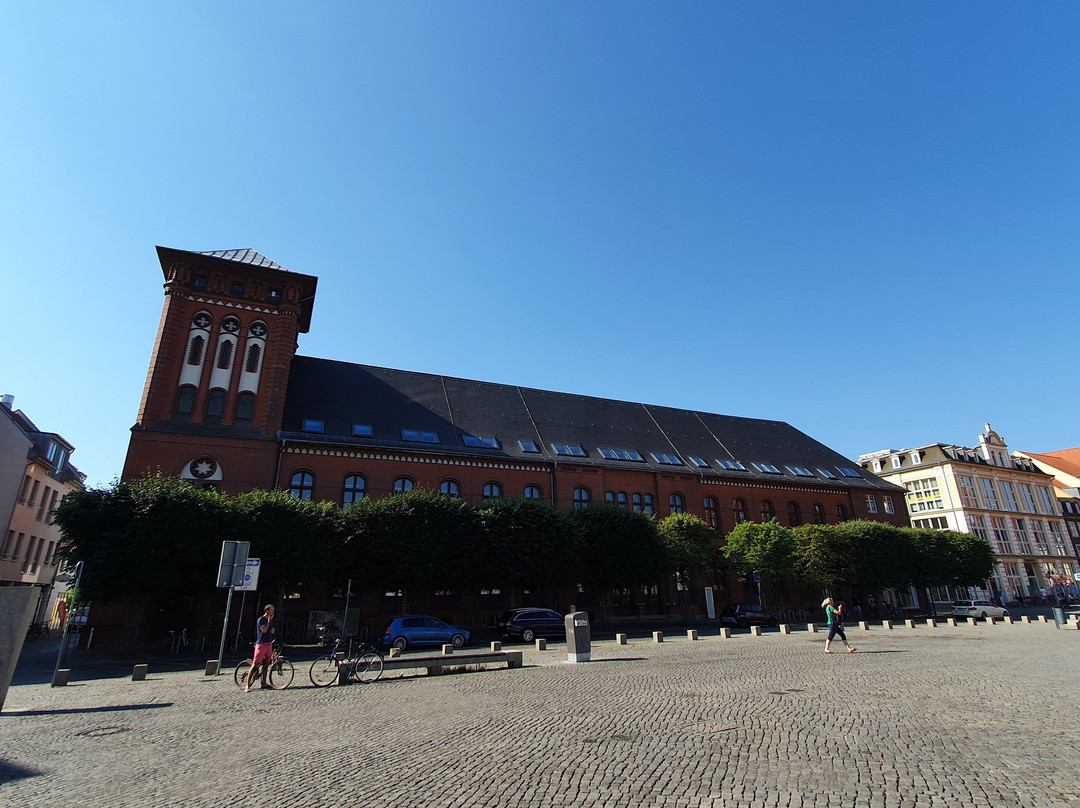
x=436 y=664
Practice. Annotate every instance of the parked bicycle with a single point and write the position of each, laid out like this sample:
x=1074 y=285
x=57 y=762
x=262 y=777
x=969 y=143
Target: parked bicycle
x=278 y=670
x=37 y=630
x=365 y=667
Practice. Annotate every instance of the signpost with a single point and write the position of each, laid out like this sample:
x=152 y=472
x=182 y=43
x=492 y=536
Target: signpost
x=251 y=584
x=231 y=571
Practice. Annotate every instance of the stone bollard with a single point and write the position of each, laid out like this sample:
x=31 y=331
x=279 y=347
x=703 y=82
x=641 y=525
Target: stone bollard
x=864 y=625
x=785 y=628
x=990 y=621
x=1042 y=618
x=60 y=678
x=691 y=634
x=1007 y=620
x=909 y=623
x=496 y=646
x=620 y=639
x=395 y=652
x=931 y=622
x=755 y=631
x=887 y=625
x=952 y=622
x=1025 y=619
x=211 y=667
x=139 y=673
x=811 y=628
x=541 y=644
x=658 y=636
x=447 y=649
x=725 y=633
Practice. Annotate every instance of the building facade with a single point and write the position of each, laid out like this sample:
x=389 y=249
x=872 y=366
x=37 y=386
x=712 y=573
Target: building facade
x=1007 y=500
x=1064 y=464
x=228 y=402
x=35 y=474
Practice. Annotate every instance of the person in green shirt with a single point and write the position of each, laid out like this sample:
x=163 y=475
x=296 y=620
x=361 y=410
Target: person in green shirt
x=834 y=615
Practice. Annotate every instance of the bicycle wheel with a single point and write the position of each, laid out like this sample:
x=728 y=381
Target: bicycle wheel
x=367 y=668
x=324 y=671
x=240 y=674
x=281 y=673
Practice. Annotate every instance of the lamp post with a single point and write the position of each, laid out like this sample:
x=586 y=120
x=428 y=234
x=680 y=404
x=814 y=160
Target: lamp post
x=67 y=623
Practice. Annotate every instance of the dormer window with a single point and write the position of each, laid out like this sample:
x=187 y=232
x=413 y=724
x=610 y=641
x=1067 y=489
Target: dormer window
x=312 y=425
x=916 y=458
x=848 y=472
x=480 y=441
x=361 y=431
x=799 y=471
x=529 y=446
x=897 y=461
x=767 y=468
x=568 y=450
x=417 y=436
x=732 y=465
x=667 y=459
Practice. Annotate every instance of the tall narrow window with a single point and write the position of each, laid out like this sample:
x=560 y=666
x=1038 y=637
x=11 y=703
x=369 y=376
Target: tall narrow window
x=738 y=508
x=355 y=488
x=794 y=514
x=252 y=363
x=841 y=513
x=871 y=503
x=817 y=511
x=675 y=503
x=215 y=405
x=581 y=497
x=195 y=352
x=225 y=355
x=768 y=510
x=621 y=501
x=712 y=513
x=244 y=405
x=303 y=483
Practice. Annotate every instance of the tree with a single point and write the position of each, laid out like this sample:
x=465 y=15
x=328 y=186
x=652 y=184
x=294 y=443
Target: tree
x=617 y=548
x=881 y=554
x=973 y=558
x=823 y=556
x=525 y=544
x=689 y=545
x=768 y=549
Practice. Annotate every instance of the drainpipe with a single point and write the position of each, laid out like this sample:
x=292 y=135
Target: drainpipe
x=277 y=471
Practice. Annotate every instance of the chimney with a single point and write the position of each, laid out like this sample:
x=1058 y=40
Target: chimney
x=6 y=401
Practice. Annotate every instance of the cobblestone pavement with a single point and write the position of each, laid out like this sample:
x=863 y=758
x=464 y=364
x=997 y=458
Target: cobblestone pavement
x=952 y=717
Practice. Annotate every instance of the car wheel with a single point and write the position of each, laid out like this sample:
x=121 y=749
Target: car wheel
x=458 y=640
x=983 y=615
x=528 y=635
x=742 y=622
x=773 y=622
x=400 y=643
x=1004 y=612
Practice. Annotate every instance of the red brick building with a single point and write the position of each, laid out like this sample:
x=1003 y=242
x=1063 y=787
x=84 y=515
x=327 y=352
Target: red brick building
x=229 y=402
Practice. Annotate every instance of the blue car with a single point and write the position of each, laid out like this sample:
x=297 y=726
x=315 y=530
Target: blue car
x=420 y=629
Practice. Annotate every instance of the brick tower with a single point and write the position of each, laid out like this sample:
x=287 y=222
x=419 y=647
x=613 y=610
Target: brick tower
x=212 y=405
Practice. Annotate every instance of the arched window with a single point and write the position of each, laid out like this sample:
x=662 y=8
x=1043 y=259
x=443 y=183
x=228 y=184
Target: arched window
x=252 y=363
x=302 y=484
x=581 y=497
x=794 y=514
x=355 y=486
x=649 y=504
x=194 y=356
x=449 y=488
x=817 y=511
x=215 y=405
x=675 y=503
x=532 y=492
x=225 y=354
x=767 y=511
x=492 y=491
x=712 y=513
x=402 y=484
x=609 y=496
x=738 y=507
x=244 y=405
x=620 y=500
x=185 y=402
x=841 y=513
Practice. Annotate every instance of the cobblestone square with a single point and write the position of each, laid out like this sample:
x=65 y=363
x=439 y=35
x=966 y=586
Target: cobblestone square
x=962 y=717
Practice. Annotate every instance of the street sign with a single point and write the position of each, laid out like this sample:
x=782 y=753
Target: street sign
x=251 y=576
x=757 y=577
x=233 y=563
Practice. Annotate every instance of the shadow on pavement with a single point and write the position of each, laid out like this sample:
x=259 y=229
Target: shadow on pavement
x=10 y=772
x=73 y=710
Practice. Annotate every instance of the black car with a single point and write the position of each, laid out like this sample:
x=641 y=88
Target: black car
x=530 y=623
x=745 y=615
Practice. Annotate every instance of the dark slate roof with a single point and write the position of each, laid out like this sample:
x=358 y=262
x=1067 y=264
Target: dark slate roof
x=342 y=394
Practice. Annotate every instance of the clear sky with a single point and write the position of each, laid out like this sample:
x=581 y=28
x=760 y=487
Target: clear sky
x=857 y=217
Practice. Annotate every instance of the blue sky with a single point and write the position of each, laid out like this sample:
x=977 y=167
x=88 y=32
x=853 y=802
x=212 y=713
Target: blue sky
x=859 y=218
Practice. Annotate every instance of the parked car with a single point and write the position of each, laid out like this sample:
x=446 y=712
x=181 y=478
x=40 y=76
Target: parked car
x=978 y=609
x=529 y=623
x=420 y=629
x=745 y=615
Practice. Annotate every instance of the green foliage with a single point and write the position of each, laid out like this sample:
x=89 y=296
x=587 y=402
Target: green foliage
x=617 y=548
x=931 y=561
x=973 y=558
x=765 y=548
x=526 y=544
x=689 y=545
x=881 y=554
x=823 y=556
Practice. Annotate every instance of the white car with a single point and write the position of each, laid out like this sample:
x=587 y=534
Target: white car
x=978 y=609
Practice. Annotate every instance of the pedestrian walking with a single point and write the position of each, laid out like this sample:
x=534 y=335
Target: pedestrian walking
x=835 y=616
x=264 y=645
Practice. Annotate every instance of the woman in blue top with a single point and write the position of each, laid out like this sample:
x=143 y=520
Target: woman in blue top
x=835 y=617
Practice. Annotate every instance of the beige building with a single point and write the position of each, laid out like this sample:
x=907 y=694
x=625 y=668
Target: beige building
x=1007 y=500
x=35 y=473
x=1064 y=464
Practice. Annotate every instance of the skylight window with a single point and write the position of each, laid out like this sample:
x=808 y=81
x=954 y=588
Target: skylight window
x=621 y=454
x=827 y=473
x=311 y=425
x=667 y=459
x=419 y=437
x=568 y=450
x=361 y=430
x=699 y=462
x=799 y=471
x=848 y=472
x=529 y=446
x=731 y=465
x=767 y=468
x=480 y=441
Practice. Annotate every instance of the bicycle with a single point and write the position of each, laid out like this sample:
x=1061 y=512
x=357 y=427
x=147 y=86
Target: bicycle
x=365 y=668
x=36 y=631
x=278 y=670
